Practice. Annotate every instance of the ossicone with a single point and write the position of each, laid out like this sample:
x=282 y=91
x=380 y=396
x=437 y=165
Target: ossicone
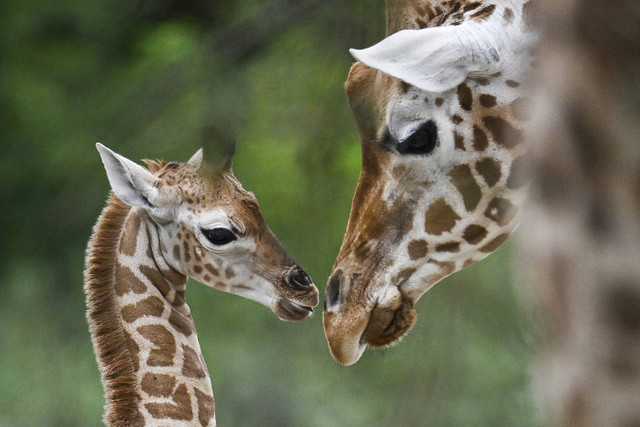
x=218 y=148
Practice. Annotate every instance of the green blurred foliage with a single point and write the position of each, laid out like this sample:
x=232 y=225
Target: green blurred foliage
x=144 y=77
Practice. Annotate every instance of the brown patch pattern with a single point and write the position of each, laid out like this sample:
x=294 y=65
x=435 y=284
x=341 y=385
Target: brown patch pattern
x=487 y=101
x=129 y=237
x=192 y=366
x=174 y=277
x=158 y=385
x=182 y=324
x=164 y=345
x=156 y=279
x=502 y=131
x=466 y=184
x=484 y=13
x=404 y=275
x=508 y=15
x=465 y=98
x=459 y=141
x=474 y=234
x=495 y=243
x=480 y=141
x=417 y=249
x=489 y=169
x=126 y=281
x=151 y=306
x=206 y=407
x=440 y=218
x=179 y=410
x=211 y=269
x=448 y=247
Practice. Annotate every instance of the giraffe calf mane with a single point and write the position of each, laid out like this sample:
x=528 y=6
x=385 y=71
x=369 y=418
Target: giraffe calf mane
x=154 y=165
x=117 y=366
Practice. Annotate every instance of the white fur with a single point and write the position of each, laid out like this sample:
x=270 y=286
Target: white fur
x=440 y=58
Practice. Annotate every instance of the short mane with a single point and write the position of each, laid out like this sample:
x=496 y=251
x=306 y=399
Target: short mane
x=109 y=340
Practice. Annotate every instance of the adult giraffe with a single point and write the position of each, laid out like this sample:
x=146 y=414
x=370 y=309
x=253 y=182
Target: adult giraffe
x=439 y=111
x=163 y=225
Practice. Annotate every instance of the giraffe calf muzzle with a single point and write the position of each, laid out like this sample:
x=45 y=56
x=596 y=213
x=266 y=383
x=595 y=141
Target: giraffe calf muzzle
x=298 y=279
x=291 y=311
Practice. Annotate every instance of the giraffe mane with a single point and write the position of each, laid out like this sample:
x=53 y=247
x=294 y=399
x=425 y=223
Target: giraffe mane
x=154 y=165
x=115 y=360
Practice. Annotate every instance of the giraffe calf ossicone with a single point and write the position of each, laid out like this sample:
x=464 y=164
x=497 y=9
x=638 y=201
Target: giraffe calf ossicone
x=162 y=225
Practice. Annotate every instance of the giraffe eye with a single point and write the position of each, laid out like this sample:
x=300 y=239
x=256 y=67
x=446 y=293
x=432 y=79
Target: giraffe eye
x=422 y=141
x=219 y=236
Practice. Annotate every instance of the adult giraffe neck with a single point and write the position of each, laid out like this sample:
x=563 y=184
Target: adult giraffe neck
x=143 y=334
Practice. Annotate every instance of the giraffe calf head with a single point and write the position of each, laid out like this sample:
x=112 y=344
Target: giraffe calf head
x=210 y=228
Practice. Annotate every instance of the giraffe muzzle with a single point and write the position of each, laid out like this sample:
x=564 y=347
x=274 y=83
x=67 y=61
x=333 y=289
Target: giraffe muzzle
x=298 y=279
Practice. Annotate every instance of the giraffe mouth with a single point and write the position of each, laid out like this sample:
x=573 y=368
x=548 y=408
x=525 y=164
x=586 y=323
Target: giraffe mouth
x=350 y=331
x=291 y=311
x=387 y=325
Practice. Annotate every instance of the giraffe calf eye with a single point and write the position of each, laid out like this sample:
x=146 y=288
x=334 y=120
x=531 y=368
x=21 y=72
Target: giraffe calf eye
x=422 y=141
x=219 y=236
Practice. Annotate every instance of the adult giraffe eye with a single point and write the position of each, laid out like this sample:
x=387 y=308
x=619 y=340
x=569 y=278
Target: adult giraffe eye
x=219 y=236
x=422 y=141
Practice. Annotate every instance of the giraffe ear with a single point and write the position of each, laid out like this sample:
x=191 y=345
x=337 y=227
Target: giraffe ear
x=439 y=58
x=132 y=183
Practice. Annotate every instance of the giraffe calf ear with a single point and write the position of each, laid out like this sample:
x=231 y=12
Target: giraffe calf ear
x=439 y=58
x=132 y=183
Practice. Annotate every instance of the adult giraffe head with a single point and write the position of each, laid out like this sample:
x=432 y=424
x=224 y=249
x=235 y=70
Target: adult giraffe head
x=439 y=109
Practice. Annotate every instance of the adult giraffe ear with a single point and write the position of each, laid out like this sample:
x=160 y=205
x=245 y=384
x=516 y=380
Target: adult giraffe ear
x=132 y=183
x=439 y=58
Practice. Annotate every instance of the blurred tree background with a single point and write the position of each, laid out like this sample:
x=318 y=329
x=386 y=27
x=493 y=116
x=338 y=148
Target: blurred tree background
x=144 y=77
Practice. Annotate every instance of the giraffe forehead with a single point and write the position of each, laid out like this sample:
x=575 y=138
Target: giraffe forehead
x=206 y=192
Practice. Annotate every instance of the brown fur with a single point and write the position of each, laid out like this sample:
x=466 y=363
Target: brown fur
x=116 y=362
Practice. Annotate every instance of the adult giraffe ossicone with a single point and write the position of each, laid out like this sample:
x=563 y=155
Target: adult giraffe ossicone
x=161 y=226
x=439 y=110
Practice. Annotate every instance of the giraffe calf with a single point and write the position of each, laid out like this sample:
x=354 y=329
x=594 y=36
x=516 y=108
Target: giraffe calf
x=162 y=225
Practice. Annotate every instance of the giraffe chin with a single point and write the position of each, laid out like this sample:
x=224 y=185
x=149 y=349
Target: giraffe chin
x=387 y=325
x=381 y=327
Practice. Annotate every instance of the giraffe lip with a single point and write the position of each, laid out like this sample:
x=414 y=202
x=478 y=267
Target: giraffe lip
x=292 y=311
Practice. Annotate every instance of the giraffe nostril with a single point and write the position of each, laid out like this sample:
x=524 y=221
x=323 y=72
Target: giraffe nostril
x=332 y=291
x=298 y=279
